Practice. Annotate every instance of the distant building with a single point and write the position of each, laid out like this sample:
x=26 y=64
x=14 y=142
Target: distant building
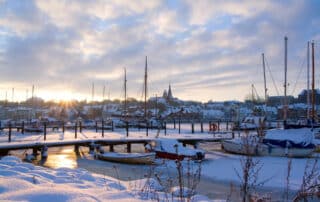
x=167 y=95
x=279 y=100
x=303 y=96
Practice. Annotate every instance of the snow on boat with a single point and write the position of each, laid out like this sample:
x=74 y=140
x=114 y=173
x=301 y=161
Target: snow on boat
x=130 y=158
x=172 y=149
x=252 y=122
x=276 y=142
x=289 y=142
x=244 y=145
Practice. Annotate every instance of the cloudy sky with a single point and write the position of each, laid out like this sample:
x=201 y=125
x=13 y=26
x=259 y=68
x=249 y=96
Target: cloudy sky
x=206 y=49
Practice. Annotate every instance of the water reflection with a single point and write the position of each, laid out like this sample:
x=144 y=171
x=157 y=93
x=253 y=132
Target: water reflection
x=61 y=157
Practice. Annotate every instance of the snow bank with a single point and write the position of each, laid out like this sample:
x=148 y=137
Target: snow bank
x=21 y=181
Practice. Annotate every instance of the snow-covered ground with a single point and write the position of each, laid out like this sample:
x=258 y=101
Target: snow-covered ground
x=22 y=181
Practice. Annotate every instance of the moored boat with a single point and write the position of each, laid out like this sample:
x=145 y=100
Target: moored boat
x=130 y=158
x=276 y=142
x=172 y=149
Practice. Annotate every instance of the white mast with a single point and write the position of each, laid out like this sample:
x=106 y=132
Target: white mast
x=285 y=83
x=308 y=81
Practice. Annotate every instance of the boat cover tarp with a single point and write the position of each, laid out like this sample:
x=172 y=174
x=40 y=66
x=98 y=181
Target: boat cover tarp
x=298 y=138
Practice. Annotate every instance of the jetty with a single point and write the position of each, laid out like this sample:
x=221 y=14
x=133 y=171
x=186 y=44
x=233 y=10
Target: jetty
x=94 y=139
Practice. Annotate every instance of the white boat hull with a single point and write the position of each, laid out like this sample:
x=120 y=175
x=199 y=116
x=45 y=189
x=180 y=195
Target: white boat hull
x=264 y=150
x=130 y=158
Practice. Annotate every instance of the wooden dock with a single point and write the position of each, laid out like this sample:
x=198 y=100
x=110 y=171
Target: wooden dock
x=92 y=143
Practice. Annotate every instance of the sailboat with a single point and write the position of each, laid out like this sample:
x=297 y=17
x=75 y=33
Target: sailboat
x=276 y=142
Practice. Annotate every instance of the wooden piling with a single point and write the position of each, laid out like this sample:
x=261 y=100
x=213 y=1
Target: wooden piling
x=165 y=128
x=102 y=129
x=76 y=130
x=192 y=127
x=174 y=124
x=219 y=125
x=147 y=128
x=111 y=149
x=63 y=127
x=96 y=126
x=227 y=127
x=129 y=147
x=201 y=126
x=22 y=127
x=9 y=136
x=44 y=131
x=80 y=126
x=112 y=129
x=179 y=125
x=127 y=128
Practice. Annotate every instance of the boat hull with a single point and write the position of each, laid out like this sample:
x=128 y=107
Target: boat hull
x=265 y=150
x=129 y=158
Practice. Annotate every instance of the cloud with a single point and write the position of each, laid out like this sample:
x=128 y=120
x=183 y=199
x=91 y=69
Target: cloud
x=211 y=49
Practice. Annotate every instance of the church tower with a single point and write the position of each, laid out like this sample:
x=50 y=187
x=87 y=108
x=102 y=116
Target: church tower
x=170 y=92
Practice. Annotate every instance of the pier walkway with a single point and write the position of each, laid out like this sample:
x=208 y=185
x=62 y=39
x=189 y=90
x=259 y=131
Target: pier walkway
x=91 y=139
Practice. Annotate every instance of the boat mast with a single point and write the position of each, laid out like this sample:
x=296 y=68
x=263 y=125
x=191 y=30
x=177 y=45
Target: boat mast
x=145 y=89
x=285 y=83
x=92 y=92
x=265 y=82
x=125 y=91
x=308 y=81
x=313 y=93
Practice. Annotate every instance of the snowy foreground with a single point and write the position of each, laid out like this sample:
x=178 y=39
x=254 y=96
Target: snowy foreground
x=21 y=181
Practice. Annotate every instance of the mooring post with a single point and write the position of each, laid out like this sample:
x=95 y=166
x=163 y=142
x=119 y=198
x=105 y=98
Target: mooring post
x=96 y=126
x=174 y=124
x=76 y=130
x=76 y=149
x=111 y=149
x=201 y=126
x=63 y=127
x=179 y=125
x=218 y=125
x=192 y=127
x=165 y=128
x=35 y=151
x=22 y=127
x=227 y=127
x=80 y=126
x=102 y=129
x=44 y=131
x=44 y=152
x=127 y=128
x=9 y=137
x=112 y=126
x=91 y=147
x=147 y=128
x=129 y=147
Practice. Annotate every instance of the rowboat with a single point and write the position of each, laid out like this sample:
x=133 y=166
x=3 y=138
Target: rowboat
x=129 y=158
